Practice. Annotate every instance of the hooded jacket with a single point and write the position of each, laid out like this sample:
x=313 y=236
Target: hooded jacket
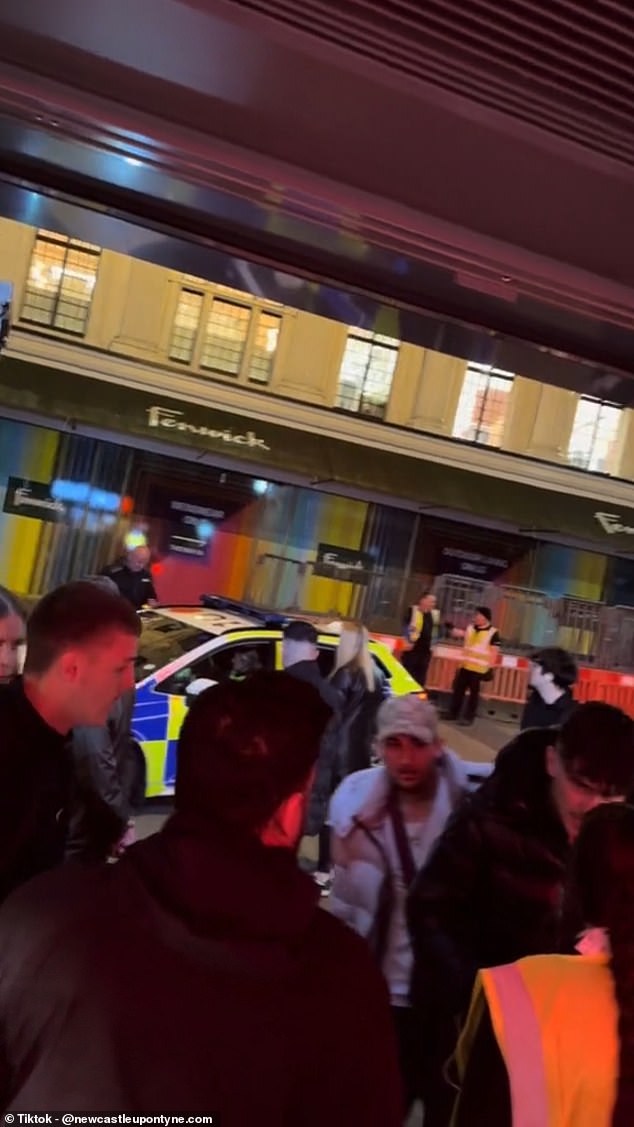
x=197 y=976
x=491 y=891
x=368 y=882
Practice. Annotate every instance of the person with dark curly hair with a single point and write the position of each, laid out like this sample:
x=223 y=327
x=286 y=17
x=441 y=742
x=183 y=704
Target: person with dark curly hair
x=550 y=1039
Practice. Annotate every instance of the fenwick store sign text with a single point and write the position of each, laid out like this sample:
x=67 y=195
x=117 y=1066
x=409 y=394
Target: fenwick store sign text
x=115 y=408
x=612 y=523
x=166 y=419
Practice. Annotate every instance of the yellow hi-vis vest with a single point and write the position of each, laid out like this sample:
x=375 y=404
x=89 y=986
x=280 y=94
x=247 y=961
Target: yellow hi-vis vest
x=478 y=655
x=415 y=625
x=555 y=1020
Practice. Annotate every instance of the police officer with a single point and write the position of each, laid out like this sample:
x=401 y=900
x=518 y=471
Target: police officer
x=420 y=630
x=480 y=654
x=133 y=579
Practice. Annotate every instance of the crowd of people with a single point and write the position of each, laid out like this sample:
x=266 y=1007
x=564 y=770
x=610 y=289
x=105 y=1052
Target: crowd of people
x=476 y=948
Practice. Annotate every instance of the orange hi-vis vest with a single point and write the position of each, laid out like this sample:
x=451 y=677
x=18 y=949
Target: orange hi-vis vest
x=478 y=655
x=555 y=1020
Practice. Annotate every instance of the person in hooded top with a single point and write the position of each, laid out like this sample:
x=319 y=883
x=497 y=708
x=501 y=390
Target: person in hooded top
x=198 y=975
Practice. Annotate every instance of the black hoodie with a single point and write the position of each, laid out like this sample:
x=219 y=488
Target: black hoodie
x=197 y=976
x=491 y=891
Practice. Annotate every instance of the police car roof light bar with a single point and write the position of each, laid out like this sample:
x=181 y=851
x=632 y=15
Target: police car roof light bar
x=219 y=602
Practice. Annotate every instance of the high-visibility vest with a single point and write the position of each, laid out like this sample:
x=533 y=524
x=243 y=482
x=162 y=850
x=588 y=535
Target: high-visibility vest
x=415 y=625
x=478 y=655
x=555 y=1020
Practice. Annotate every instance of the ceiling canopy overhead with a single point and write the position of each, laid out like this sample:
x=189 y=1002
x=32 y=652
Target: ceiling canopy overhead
x=561 y=66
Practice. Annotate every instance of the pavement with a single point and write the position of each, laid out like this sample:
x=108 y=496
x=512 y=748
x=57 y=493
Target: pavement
x=481 y=742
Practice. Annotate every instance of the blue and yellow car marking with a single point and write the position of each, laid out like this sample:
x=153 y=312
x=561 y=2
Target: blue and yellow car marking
x=158 y=716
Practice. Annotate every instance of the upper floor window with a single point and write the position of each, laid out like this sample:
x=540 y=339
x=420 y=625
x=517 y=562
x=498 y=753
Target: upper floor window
x=482 y=406
x=224 y=336
x=367 y=371
x=594 y=440
x=60 y=284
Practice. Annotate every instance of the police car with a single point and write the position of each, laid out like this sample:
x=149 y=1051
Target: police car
x=183 y=650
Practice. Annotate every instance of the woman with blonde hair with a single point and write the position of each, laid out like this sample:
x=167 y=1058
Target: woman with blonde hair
x=362 y=688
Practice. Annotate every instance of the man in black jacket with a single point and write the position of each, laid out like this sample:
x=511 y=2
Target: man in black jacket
x=491 y=891
x=106 y=771
x=105 y=768
x=81 y=647
x=198 y=976
x=133 y=578
x=300 y=658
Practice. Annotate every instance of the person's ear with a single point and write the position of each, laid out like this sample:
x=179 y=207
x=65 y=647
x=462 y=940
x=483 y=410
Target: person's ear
x=68 y=666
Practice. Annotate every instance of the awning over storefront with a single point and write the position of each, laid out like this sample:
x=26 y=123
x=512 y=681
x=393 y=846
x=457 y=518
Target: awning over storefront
x=322 y=461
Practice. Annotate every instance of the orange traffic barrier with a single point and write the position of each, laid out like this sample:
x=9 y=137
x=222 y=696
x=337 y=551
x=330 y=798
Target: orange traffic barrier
x=510 y=678
x=510 y=683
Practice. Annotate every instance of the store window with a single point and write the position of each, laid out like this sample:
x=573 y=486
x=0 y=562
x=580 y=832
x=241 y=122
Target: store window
x=367 y=371
x=60 y=283
x=594 y=440
x=224 y=336
x=483 y=404
x=267 y=334
x=186 y=325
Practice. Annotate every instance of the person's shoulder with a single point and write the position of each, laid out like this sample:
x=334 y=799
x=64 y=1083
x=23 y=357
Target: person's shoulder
x=361 y=794
x=13 y=703
x=519 y=778
x=50 y=904
x=566 y=972
x=112 y=569
x=525 y=749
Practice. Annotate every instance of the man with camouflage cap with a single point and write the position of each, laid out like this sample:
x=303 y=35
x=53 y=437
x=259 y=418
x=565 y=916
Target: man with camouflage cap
x=385 y=821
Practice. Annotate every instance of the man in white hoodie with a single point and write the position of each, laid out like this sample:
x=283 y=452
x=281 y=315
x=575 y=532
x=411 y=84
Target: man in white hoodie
x=385 y=822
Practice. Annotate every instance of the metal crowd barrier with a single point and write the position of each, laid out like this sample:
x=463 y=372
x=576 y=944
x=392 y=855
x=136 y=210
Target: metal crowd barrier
x=527 y=619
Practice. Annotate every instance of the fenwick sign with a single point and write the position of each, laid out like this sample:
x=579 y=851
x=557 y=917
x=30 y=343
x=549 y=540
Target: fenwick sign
x=611 y=523
x=166 y=419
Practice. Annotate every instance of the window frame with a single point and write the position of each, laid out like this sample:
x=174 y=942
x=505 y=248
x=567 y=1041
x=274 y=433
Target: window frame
x=208 y=655
x=69 y=244
x=600 y=404
x=255 y=308
x=489 y=373
x=374 y=340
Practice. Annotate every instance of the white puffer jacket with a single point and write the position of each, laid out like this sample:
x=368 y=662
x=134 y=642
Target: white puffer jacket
x=364 y=855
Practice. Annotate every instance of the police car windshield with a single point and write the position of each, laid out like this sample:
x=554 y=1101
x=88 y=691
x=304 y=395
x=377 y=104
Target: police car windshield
x=163 y=640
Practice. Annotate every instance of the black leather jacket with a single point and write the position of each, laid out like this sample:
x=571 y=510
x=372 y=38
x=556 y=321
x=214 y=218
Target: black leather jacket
x=106 y=766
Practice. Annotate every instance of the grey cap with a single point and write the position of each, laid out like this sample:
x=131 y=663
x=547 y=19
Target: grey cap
x=407 y=716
